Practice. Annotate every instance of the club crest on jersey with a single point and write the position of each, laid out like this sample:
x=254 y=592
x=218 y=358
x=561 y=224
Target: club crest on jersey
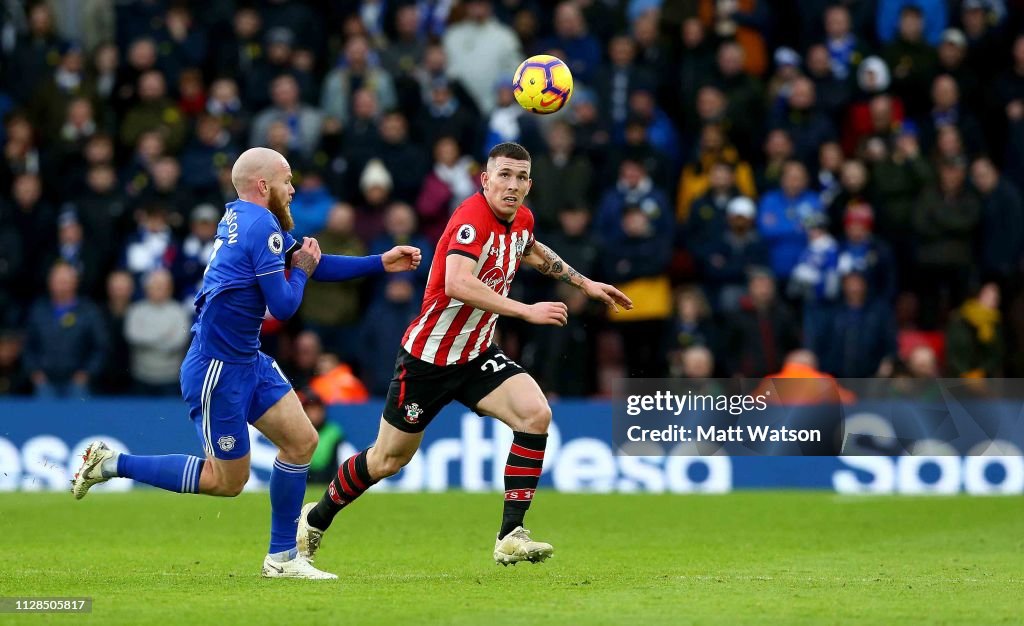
x=226 y=443
x=413 y=412
x=276 y=243
x=466 y=234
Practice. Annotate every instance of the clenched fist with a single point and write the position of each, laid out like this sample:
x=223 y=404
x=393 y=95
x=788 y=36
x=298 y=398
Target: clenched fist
x=402 y=259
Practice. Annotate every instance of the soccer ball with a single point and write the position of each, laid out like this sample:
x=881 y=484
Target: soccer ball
x=542 y=84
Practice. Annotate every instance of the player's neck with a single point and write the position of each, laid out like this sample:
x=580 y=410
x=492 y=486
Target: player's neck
x=497 y=214
x=257 y=201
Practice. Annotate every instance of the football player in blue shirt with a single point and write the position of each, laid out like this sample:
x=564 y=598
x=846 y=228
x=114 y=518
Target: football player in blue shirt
x=225 y=379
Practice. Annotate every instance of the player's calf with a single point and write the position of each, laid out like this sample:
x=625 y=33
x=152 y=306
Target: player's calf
x=351 y=481
x=522 y=473
x=179 y=473
x=384 y=464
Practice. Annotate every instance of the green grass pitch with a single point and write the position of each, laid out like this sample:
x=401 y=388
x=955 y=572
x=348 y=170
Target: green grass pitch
x=755 y=557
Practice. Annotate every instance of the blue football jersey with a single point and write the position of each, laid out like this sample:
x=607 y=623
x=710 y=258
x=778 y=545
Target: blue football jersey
x=231 y=307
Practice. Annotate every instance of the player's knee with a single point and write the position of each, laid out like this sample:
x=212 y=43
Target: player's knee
x=301 y=449
x=536 y=418
x=308 y=444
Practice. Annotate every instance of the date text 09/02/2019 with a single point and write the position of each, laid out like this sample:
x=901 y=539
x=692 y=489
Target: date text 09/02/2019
x=731 y=434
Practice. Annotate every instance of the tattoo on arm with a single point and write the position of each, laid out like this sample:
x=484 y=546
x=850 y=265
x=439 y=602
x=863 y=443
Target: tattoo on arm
x=304 y=261
x=552 y=265
x=572 y=277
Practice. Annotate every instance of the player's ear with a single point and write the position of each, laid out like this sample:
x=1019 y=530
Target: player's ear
x=483 y=179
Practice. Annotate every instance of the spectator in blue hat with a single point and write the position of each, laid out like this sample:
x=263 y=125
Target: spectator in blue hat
x=74 y=250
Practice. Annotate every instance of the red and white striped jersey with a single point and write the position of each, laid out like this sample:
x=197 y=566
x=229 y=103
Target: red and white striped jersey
x=447 y=331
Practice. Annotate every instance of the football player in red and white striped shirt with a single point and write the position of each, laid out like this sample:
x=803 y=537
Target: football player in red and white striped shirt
x=447 y=354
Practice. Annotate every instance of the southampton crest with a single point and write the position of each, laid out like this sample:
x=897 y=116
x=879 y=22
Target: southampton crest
x=413 y=412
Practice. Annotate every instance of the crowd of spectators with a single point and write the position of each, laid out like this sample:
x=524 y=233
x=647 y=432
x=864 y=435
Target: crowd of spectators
x=838 y=176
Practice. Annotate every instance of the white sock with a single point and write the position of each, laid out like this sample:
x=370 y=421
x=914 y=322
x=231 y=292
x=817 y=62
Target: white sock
x=287 y=555
x=109 y=467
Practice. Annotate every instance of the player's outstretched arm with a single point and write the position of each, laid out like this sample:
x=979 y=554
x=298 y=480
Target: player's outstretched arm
x=545 y=261
x=461 y=284
x=338 y=267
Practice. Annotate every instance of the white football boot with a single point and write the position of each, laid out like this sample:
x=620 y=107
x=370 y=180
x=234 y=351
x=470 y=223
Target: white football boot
x=517 y=546
x=90 y=473
x=308 y=538
x=298 y=567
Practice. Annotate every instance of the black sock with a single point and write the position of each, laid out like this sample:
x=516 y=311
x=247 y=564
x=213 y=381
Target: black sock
x=352 y=480
x=522 y=473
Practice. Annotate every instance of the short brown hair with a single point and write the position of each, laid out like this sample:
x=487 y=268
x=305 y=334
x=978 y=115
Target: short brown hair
x=509 y=149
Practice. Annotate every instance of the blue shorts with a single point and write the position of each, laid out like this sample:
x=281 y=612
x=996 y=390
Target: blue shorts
x=224 y=398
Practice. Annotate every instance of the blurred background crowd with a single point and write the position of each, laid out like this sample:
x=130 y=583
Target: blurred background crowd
x=839 y=177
